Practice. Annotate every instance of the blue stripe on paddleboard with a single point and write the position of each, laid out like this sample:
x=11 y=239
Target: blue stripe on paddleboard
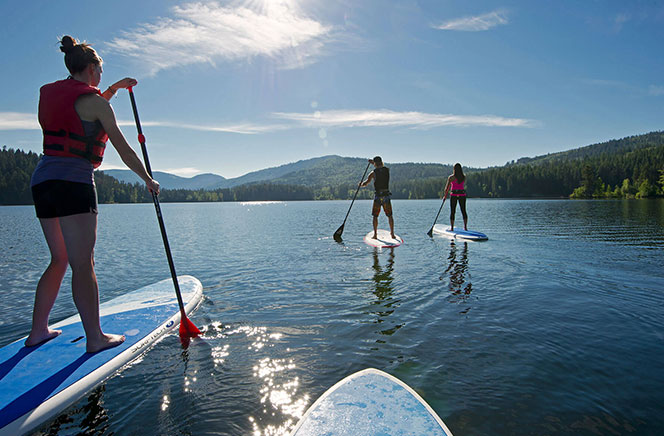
x=469 y=233
x=31 y=375
x=466 y=234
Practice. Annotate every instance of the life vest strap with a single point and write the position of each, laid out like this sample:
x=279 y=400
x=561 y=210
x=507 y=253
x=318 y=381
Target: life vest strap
x=54 y=147
x=60 y=133
x=89 y=141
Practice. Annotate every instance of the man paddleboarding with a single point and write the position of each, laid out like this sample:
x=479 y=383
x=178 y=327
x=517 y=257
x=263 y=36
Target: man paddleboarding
x=381 y=177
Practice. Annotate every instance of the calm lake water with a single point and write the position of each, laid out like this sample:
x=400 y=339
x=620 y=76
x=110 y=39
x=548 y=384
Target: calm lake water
x=555 y=326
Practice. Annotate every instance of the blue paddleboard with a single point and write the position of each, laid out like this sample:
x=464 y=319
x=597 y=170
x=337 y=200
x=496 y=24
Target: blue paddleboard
x=469 y=235
x=37 y=383
x=370 y=403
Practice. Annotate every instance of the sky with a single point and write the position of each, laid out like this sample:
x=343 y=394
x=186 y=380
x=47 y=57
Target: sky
x=230 y=87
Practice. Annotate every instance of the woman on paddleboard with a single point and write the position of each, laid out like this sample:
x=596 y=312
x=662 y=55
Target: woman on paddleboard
x=456 y=183
x=77 y=120
x=381 y=177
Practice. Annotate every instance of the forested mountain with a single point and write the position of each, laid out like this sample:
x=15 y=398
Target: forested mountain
x=639 y=160
x=319 y=172
x=170 y=181
x=615 y=146
x=15 y=170
x=628 y=167
x=17 y=166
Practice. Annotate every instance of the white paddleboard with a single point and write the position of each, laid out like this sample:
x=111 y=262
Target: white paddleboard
x=469 y=235
x=37 y=383
x=384 y=240
x=369 y=403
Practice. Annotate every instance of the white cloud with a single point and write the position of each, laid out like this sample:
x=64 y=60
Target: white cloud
x=240 y=128
x=606 y=82
x=476 y=23
x=105 y=166
x=320 y=120
x=209 y=32
x=18 y=121
x=656 y=90
x=619 y=20
x=182 y=172
x=28 y=121
x=652 y=90
x=387 y=118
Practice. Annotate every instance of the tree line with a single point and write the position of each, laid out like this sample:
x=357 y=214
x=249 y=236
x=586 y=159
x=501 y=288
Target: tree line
x=627 y=168
x=16 y=168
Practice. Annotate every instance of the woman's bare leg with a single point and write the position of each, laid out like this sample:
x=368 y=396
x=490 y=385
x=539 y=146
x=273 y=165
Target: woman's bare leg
x=49 y=283
x=80 y=234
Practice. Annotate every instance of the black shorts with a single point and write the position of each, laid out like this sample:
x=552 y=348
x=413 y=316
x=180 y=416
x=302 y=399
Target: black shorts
x=56 y=198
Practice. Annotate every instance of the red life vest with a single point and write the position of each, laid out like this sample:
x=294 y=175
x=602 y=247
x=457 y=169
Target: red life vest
x=63 y=130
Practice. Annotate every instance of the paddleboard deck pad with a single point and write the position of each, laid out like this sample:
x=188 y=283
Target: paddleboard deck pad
x=384 y=239
x=469 y=235
x=37 y=383
x=368 y=403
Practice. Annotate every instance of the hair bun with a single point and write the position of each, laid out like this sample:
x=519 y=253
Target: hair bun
x=67 y=44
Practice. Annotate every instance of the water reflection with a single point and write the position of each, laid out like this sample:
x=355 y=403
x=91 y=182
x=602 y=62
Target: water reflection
x=89 y=419
x=459 y=284
x=384 y=292
x=280 y=403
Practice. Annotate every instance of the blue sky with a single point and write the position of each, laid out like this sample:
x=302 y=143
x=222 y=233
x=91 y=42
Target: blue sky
x=230 y=87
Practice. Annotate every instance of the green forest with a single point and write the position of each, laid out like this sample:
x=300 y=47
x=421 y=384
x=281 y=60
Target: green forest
x=631 y=167
x=16 y=168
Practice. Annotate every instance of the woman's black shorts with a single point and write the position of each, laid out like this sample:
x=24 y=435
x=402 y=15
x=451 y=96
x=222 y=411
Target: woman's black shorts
x=56 y=198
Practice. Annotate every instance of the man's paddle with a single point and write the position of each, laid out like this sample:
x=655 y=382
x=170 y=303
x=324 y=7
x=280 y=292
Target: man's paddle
x=187 y=328
x=340 y=230
x=430 y=232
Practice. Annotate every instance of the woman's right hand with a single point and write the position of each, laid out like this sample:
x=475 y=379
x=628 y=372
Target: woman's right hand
x=153 y=186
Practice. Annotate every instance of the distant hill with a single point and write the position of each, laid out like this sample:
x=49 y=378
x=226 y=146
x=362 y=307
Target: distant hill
x=279 y=173
x=170 y=181
x=628 y=167
x=612 y=147
x=336 y=170
x=318 y=172
x=637 y=159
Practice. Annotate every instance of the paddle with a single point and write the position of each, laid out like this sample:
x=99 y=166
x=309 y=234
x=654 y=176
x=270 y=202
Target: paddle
x=340 y=230
x=187 y=328
x=430 y=232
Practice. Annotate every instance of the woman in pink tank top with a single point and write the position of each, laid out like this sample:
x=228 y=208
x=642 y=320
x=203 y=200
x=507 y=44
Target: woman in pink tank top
x=456 y=183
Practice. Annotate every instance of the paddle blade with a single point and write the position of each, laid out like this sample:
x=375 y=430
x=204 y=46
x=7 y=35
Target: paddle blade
x=337 y=234
x=188 y=329
x=430 y=232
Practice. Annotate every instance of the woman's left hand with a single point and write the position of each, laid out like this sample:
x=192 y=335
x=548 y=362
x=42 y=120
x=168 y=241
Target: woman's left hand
x=153 y=186
x=124 y=83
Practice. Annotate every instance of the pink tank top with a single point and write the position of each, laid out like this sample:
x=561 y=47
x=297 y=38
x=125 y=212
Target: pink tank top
x=457 y=188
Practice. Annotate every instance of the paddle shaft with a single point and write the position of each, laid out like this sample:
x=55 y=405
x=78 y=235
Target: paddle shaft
x=436 y=219
x=162 y=227
x=355 y=196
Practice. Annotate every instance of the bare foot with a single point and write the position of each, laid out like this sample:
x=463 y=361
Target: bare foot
x=393 y=237
x=40 y=337
x=375 y=236
x=107 y=341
